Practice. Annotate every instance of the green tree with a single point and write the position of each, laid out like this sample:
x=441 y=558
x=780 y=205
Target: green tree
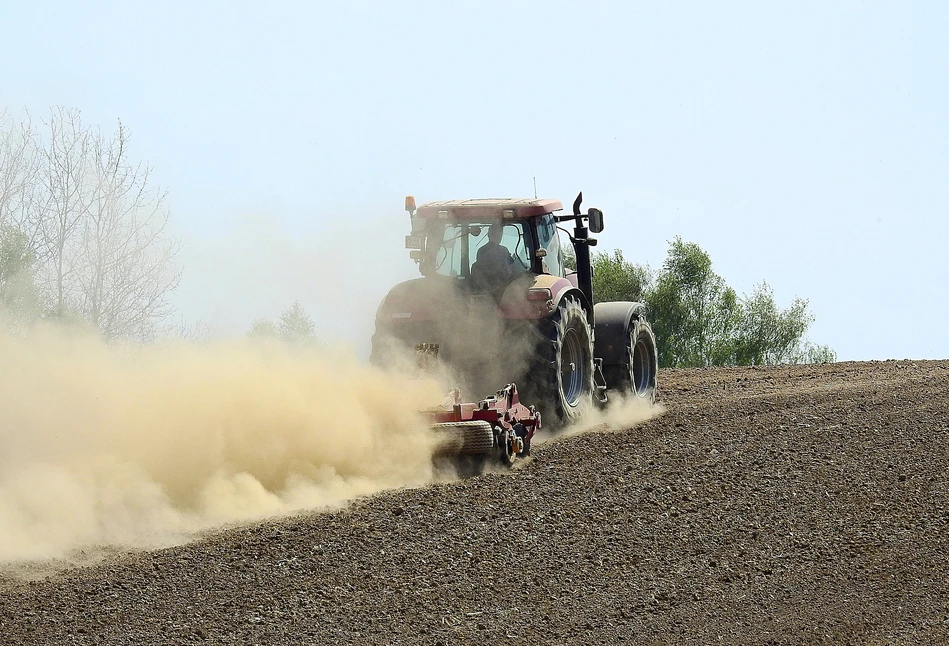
x=263 y=328
x=617 y=279
x=811 y=353
x=768 y=334
x=19 y=297
x=694 y=313
x=16 y=256
x=293 y=326
x=699 y=320
x=614 y=277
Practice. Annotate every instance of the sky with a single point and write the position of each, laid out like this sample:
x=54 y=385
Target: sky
x=801 y=143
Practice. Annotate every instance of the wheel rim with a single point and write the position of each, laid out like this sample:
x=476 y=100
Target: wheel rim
x=642 y=367
x=507 y=454
x=572 y=367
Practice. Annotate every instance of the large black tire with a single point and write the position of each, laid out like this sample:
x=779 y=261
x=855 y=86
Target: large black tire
x=638 y=374
x=562 y=370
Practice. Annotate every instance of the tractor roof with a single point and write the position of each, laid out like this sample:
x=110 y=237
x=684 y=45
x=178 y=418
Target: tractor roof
x=488 y=208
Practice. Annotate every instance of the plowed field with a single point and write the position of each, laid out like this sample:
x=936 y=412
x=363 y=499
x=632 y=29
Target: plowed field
x=773 y=505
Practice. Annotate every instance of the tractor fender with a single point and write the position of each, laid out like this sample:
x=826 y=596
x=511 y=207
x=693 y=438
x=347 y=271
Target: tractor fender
x=580 y=296
x=515 y=304
x=561 y=288
x=614 y=322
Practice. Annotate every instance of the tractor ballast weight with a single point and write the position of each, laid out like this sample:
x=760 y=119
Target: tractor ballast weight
x=523 y=317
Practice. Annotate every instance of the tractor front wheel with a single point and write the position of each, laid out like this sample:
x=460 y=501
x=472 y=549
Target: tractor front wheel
x=562 y=374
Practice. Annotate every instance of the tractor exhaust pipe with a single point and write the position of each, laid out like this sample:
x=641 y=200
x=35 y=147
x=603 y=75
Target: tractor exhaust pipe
x=581 y=248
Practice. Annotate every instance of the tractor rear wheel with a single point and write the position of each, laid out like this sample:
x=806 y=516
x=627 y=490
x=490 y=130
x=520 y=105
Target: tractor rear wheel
x=562 y=374
x=639 y=372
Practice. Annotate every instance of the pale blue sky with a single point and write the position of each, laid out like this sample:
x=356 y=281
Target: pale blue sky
x=803 y=143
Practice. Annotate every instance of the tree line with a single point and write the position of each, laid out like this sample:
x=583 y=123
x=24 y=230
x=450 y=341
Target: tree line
x=699 y=320
x=85 y=239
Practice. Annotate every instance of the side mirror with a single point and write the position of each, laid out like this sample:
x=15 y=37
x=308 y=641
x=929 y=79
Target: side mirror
x=596 y=220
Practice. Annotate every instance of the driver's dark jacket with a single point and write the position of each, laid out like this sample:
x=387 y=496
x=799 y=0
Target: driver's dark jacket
x=495 y=256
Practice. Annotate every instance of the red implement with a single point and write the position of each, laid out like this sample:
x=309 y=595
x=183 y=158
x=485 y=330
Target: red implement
x=497 y=425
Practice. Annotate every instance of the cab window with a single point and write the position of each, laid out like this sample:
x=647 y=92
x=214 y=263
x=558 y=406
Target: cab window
x=549 y=239
x=512 y=239
x=455 y=246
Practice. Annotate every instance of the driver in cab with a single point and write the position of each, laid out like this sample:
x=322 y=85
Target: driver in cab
x=493 y=257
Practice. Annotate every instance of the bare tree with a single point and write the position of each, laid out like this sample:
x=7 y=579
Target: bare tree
x=19 y=175
x=98 y=229
x=127 y=263
x=64 y=200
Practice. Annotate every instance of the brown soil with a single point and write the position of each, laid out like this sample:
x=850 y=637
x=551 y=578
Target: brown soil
x=772 y=505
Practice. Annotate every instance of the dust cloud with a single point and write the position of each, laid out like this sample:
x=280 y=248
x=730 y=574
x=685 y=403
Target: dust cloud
x=620 y=414
x=141 y=446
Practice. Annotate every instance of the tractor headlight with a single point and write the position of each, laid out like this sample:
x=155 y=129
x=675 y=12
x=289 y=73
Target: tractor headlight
x=539 y=294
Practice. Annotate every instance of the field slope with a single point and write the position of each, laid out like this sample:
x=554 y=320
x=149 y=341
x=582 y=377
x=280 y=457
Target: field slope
x=772 y=505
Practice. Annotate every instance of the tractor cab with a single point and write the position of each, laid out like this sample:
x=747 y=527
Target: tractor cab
x=486 y=244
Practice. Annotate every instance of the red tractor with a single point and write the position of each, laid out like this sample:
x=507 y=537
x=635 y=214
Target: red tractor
x=500 y=304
